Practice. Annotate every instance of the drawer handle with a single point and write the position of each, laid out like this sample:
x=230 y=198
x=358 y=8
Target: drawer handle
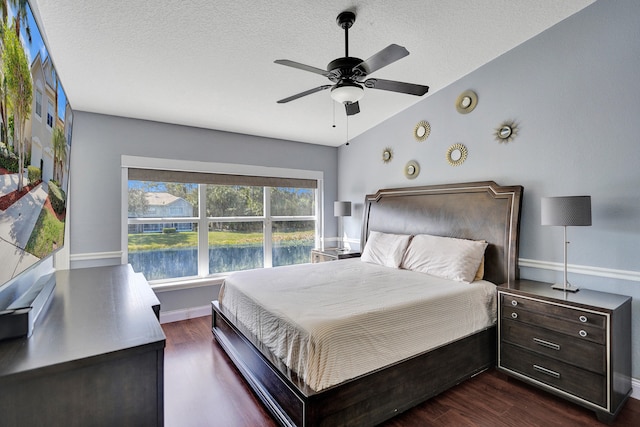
x=583 y=319
x=514 y=303
x=582 y=333
x=514 y=315
x=546 y=371
x=547 y=344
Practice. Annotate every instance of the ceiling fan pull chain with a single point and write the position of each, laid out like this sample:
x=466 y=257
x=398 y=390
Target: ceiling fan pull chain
x=347 y=130
x=334 y=111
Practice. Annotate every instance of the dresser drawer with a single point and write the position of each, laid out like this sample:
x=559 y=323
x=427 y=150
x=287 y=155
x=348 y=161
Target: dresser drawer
x=579 y=382
x=576 y=323
x=577 y=351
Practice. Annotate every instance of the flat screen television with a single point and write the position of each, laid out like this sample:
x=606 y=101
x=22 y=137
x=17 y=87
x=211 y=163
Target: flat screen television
x=35 y=148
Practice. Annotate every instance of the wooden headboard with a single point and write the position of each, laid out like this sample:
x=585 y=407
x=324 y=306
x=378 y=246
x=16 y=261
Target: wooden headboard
x=474 y=210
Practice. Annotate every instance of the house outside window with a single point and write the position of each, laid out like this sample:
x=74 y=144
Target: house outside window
x=38 y=102
x=50 y=113
x=217 y=224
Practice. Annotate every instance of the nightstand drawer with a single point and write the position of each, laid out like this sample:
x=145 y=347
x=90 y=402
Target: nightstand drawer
x=317 y=257
x=546 y=316
x=332 y=254
x=576 y=381
x=565 y=313
x=587 y=333
x=576 y=351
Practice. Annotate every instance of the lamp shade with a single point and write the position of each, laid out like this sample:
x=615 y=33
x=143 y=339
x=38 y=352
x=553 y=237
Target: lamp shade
x=347 y=92
x=571 y=210
x=341 y=208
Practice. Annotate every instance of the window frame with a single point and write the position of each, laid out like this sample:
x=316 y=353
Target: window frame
x=218 y=168
x=38 y=102
x=50 y=114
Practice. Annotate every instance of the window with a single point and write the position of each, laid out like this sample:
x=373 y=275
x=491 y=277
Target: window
x=50 y=113
x=69 y=124
x=163 y=241
x=184 y=224
x=292 y=234
x=38 y=103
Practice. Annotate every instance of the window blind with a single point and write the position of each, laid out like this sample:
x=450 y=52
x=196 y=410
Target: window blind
x=218 y=178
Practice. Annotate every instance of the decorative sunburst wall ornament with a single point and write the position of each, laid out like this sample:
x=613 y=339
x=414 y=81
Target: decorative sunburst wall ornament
x=466 y=102
x=506 y=132
x=422 y=130
x=412 y=169
x=387 y=155
x=456 y=154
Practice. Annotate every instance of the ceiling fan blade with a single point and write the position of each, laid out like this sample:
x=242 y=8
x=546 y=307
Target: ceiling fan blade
x=352 y=108
x=305 y=93
x=393 y=86
x=386 y=56
x=303 y=67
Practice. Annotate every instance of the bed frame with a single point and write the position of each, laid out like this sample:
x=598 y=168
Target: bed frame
x=478 y=211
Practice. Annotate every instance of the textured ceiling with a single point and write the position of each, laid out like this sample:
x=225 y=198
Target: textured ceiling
x=210 y=63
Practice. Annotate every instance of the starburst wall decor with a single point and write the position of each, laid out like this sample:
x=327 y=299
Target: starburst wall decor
x=506 y=132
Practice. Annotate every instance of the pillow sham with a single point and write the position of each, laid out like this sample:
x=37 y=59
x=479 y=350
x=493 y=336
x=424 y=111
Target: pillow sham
x=480 y=272
x=446 y=257
x=385 y=248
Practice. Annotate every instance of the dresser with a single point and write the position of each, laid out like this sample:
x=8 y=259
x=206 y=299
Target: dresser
x=332 y=254
x=96 y=356
x=575 y=345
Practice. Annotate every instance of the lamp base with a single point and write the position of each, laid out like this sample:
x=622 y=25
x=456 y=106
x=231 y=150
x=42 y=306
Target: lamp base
x=568 y=288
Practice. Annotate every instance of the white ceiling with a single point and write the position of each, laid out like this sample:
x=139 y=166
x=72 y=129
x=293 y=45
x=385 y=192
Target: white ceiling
x=209 y=63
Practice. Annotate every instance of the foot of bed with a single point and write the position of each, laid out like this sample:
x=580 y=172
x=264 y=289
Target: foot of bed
x=364 y=401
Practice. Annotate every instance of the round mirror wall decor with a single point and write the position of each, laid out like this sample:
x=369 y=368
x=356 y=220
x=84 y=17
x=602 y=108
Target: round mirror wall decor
x=422 y=130
x=457 y=154
x=506 y=132
x=412 y=169
x=387 y=155
x=466 y=102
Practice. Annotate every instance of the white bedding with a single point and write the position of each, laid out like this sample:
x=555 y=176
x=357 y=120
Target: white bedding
x=333 y=321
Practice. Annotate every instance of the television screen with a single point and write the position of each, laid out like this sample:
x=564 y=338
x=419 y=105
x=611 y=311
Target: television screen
x=35 y=145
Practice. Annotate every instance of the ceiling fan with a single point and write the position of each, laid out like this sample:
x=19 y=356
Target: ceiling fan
x=349 y=74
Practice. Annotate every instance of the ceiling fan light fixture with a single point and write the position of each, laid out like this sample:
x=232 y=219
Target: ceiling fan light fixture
x=346 y=92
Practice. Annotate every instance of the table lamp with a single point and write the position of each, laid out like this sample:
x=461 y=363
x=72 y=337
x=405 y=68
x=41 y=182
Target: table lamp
x=566 y=211
x=341 y=209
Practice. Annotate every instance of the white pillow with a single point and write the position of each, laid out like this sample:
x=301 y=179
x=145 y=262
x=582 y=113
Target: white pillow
x=446 y=257
x=385 y=248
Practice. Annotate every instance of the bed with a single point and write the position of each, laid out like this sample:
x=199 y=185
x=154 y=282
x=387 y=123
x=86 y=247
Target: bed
x=297 y=395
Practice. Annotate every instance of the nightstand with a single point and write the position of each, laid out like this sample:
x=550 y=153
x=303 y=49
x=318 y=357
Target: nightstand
x=332 y=254
x=575 y=345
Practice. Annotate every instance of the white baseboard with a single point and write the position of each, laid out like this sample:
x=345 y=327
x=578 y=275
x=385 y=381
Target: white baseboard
x=184 y=314
x=635 y=388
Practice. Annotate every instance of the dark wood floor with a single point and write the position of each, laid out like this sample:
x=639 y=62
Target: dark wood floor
x=202 y=388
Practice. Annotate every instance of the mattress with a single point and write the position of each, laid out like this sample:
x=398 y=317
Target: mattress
x=334 y=321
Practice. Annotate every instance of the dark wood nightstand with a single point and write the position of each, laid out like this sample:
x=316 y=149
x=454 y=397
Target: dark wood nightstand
x=575 y=345
x=332 y=254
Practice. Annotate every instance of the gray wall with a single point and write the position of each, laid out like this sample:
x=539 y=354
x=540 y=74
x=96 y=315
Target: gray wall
x=574 y=91
x=99 y=141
